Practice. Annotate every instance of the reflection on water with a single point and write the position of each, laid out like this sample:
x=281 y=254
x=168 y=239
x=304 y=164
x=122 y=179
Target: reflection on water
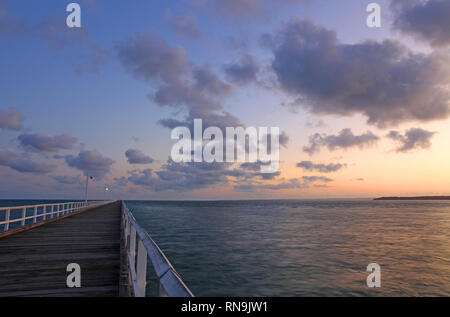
x=303 y=248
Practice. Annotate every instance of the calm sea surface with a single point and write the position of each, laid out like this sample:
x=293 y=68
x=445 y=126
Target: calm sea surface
x=300 y=248
x=303 y=248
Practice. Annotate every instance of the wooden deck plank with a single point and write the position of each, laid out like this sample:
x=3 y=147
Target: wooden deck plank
x=33 y=262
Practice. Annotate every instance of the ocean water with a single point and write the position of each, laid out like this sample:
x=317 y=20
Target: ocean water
x=303 y=248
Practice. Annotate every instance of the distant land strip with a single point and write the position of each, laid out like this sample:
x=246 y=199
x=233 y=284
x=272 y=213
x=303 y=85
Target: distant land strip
x=415 y=198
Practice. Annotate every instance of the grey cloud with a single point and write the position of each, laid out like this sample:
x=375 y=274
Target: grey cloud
x=414 y=138
x=91 y=163
x=239 y=8
x=181 y=176
x=135 y=156
x=425 y=20
x=383 y=81
x=312 y=179
x=250 y=170
x=143 y=178
x=47 y=143
x=11 y=119
x=236 y=43
x=285 y=184
x=27 y=165
x=194 y=176
x=22 y=164
x=148 y=57
x=207 y=81
x=284 y=139
x=220 y=120
x=345 y=139
x=294 y=183
x=58 y=36
x=178 y=83
x=243 y=72
x=7 y=156
x=183 y=25
x=68 y=180
x=322 y=168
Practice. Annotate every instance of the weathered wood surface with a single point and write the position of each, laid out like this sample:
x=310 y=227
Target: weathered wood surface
x=34 y=262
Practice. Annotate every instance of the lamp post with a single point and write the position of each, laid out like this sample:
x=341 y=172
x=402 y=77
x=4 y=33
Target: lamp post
x=87 y=183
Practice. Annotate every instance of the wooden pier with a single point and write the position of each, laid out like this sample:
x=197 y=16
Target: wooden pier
x=33 y=262
x=102 y=238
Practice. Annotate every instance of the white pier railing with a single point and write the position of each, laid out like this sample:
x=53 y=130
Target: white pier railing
x=18 y=216
x=139 y=248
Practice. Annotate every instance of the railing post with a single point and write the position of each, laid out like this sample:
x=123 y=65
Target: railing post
x=127 y=231
x=35 y=214
x=141 y=270
x=133 y=246
x=7 y=215
x=24 y=214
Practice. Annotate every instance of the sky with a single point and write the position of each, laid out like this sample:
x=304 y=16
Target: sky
x=363 y=110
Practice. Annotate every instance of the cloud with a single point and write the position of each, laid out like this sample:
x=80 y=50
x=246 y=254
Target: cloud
x=284 y=139
x=7 y=156
x=181 y=176
x=177 y=82
x=250 y=170
x=313 y=179
x=414 y=138
x=183 y=25
x=91 y=163
x=57 y=35
x=11 y=119
x=285 y=184
x=143 y=178
x=191 y=176
x=23 y=164
x=384 y=81
x=345 y=139
x=322 y=168
x=10 y=25
x=239 y=8
x=137 y=157
x=47 y=143
x=294 y=183
x=243 y=72
x=68 y=180
x=427 y=20
x=27 y=165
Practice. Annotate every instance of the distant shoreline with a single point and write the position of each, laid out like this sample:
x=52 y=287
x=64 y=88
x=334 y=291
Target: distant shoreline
x=415 y=198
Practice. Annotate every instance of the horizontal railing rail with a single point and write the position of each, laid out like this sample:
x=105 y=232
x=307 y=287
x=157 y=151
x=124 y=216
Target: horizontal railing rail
x=169 y=282
x=43 y=211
